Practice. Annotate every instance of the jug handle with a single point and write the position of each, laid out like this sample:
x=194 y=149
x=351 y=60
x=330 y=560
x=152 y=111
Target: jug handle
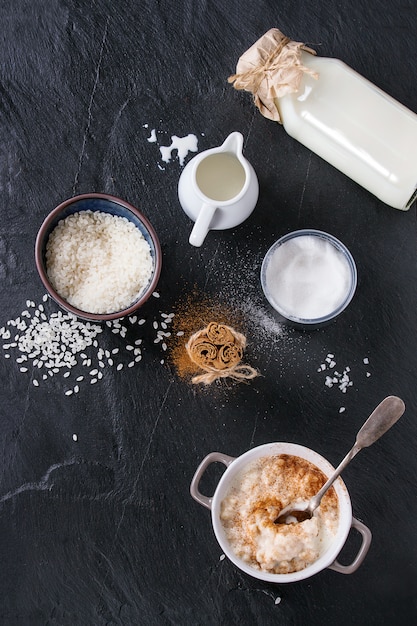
x=202 y=224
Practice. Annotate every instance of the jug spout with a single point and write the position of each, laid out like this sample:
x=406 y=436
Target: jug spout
x=233 y=143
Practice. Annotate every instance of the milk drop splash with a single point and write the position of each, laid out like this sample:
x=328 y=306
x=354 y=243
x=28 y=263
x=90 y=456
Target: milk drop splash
x=152 y=138
x=183 y=145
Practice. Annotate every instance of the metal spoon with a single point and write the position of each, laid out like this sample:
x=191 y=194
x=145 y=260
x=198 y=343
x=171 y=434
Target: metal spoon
x=381 y=419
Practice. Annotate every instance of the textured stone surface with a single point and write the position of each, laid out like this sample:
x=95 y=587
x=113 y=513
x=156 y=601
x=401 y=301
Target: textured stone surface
x=100 y=528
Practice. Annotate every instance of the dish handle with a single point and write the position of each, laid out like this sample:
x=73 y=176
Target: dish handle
x=357 y=561
x=213 y=457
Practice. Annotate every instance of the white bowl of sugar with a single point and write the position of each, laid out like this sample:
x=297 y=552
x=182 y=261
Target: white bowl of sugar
x=309 y=277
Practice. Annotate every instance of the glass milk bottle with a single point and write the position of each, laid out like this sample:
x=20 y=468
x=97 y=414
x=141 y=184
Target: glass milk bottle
x=339 y=115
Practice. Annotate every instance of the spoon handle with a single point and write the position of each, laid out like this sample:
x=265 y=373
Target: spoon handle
x=315 y=500
x=381 y=419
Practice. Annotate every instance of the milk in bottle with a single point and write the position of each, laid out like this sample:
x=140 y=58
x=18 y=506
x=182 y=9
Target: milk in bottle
x=336 y=113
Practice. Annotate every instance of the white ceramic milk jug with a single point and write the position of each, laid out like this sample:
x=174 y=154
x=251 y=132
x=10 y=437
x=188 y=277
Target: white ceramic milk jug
x=218 y=188
x=336 y=113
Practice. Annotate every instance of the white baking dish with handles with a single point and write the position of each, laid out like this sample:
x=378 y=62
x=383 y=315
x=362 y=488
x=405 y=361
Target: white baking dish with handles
x=234 y=465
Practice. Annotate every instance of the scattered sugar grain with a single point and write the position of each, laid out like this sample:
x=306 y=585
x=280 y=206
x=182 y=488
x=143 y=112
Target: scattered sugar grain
x=74 y=437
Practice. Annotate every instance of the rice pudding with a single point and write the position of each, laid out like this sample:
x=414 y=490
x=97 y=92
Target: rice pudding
x=253 y=503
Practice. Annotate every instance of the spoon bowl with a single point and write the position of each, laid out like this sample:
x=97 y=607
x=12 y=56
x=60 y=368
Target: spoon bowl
x=381 y=419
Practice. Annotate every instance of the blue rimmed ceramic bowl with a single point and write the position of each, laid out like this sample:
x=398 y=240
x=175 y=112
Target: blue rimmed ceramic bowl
x=106 y=204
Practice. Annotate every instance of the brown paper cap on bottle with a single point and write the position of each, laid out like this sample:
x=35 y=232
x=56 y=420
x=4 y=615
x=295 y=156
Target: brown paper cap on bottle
x=270 y=69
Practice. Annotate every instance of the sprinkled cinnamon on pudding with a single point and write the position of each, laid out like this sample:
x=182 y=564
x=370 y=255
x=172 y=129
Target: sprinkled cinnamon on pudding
x=253 y=503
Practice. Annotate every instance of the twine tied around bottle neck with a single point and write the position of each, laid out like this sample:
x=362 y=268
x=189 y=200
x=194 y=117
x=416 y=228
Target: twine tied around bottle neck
x=270 y=69
x=218 y=350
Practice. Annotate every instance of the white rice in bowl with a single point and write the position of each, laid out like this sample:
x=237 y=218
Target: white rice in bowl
x=97 y=262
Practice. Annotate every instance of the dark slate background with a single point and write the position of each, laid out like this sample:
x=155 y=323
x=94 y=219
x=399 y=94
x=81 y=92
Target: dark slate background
x=103 y=530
